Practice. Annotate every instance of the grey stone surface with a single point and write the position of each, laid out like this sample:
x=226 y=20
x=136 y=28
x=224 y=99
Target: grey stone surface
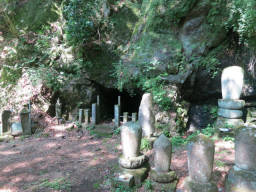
x=125 y=117
x=162 y=154
x=223 y=122
x=124 y=179
x=231 y=103
x=239 y=180
x=94 y=114
x=139 y=174
x=6 y=115
x=134 y=117
x=230 y=113
x=192 y=186
x=200 y=159
x=131 y=134
x=232 y=80
x=245 y=148
x=87 y=116
x=146 y=116
x=58 y=107
x=117 y=115
x=25 y=121
x=16 y=129
x=81 y=116
x=163 y=177
x=133 y=162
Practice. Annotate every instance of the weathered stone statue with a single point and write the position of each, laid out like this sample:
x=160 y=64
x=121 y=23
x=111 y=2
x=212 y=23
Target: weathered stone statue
x=230 y=107
x=162 y=160
x=200 y=165
x=133 y=165
x=58 y=109
x=146 y=116
x=242 y=177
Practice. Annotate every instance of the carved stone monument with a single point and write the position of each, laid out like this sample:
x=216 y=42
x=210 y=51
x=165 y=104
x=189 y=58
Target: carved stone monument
x=230 y=107
x=25 y=121
x=242 y=177
x=6 y=115
x=200 y=165
x=161 y=172
x=133 y=165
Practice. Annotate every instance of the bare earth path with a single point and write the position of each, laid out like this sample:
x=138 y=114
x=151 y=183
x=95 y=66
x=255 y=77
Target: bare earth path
x=75 y=161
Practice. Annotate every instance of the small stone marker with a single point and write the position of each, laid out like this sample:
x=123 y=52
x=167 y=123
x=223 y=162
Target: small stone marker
x=81 y=116
x=242 y=177
x=58 y=109
x=6 y=114
x=125 y=117
x=25 y=121
x=86 y=116
x=134 y=117
x=119 y=103
x=98 y=109
x=146 y=116
x=162 y=160
x=117 y=115
x=16 y=129
x=132 y=163
x=94 y=113
x=232 y=80
x=200 y=165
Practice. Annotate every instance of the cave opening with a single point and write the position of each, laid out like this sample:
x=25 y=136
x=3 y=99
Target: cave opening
x=109 y=97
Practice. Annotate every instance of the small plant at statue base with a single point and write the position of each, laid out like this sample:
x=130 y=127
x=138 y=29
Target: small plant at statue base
x=116 y=131
x=145 y=144
x=148 y=185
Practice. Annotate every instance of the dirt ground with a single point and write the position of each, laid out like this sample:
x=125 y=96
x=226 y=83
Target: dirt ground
x=73 y=160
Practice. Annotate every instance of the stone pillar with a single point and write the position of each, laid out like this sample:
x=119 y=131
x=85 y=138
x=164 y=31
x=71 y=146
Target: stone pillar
x=6 y=114
x=117 y=115
x=230 y=107
x=98 y=109
x=125 y=117
x=133 y=165
x=86 y=116
x=200 y=165
x=81 y=116
x=94 y=114
x=162 y=160
x=58 y=112
x=134 y=117
x=242 y=177
x=119 y=103
x=146 y=116
x=25 y=121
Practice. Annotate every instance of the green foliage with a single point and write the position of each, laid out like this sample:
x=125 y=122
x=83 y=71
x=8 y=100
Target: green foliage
x=229 y=138
x=219 y=163
x=145 y=144
x=208 y=131
x=117 y=131
x=214 y=112
x=148 y=185
x=57 y=184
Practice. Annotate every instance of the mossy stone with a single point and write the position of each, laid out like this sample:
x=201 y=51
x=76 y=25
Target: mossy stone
x=192 y=186
x=163 y=177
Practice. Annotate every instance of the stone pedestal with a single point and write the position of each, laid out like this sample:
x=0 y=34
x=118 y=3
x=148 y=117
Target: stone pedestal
x=242 y=177
x=200 y=165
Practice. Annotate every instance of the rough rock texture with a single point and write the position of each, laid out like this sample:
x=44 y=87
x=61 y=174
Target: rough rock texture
x=229 y=123
x=6 y=114
x=25 y=121
x=239 y=180
x=133 y=162
x=231 y=103
x=192 y=186
x=146 y=116
x=245 y=150
x=162 y=154
x=232 y=80
x=230 y=113
x=131 y=134
x=200 y=159
x=163 y=177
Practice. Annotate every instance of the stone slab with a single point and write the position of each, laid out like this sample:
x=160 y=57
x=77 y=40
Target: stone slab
x=16 y=129
x=229 y=113
x=192 y=186
x=139 y=174
x=231 y=103
x=163 y=177
x=124 y=179
x=164 y=187
x=239 y=180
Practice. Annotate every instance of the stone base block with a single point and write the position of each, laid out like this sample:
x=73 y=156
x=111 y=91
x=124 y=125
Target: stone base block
x=124 y=179
x=226 y=125
x=164 y=177
x=139 y=174
x=192 y=186
x=133 y=162
x=239 y=180
x=231 y=103
x=230 y=113
x=165 y=187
